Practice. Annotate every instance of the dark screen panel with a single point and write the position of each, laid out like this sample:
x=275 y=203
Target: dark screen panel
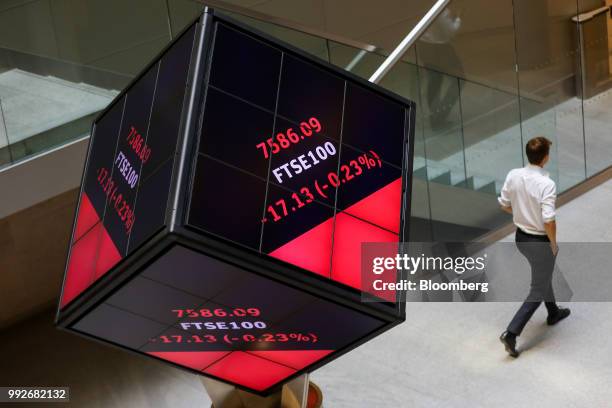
x=153 y=300
x=232 y=129
x=151 y=204
x=166 y=115
x=321 y=318
x=119 y=326
x=245 y=67
x=374 y=123
x=202 y=279
x=264 y=294
x=307 y=91
x=227 y=202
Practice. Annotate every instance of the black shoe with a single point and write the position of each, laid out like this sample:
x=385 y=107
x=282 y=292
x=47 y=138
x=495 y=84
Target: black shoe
x=561 y=314
x=509 y=341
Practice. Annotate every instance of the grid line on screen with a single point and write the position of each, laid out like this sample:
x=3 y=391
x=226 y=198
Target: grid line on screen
x=146 y=139
x=103 y=217
x=263 y=212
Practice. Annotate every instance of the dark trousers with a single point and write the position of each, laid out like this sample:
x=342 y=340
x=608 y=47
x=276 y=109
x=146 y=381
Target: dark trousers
x=536 y=248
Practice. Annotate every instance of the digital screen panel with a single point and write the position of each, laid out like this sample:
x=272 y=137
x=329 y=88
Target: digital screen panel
x=127 y=180
x=247 y=69
x=223 y=189
x=297 y=161
x=247 y=131
x=239 y=327
x=285 y=157
x=306 y=92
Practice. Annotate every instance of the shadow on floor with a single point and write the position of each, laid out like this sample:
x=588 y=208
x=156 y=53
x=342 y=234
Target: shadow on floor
x=538 y=335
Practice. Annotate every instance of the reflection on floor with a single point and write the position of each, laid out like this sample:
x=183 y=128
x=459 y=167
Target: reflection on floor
x=448 y=354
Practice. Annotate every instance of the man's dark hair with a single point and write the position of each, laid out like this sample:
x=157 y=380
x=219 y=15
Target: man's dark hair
x=537 y=149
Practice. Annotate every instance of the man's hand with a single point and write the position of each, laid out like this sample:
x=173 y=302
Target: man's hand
x=555 y=248
x=551 y=232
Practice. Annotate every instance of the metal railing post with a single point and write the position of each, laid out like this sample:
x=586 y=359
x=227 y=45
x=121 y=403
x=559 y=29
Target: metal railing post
x=409 y=40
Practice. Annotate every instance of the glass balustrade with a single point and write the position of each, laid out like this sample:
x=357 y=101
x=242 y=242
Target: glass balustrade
x=487 y=77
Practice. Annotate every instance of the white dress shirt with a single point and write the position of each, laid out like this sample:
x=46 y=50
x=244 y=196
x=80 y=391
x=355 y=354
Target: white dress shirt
x=532 y=194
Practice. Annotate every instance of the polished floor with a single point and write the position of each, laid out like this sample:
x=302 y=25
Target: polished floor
x=448 y=354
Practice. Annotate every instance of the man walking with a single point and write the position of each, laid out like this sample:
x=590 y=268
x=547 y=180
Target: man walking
x=529 y=195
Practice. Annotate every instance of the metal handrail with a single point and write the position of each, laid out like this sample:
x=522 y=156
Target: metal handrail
x=409 y=40
x=589 y=15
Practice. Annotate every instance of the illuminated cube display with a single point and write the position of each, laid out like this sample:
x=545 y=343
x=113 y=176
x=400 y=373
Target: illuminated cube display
x=225 y=198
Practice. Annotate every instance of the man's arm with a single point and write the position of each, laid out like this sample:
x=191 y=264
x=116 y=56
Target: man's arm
x=551 y=232
x=504 y=196
x=549 y=199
